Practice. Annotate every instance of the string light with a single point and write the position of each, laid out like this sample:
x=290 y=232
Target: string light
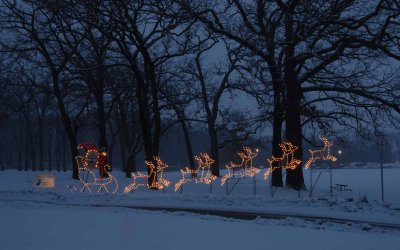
x=272 y=168
x=200 y=175
x=288 y=150
x=100 y=183
x=94 y=159
x=319 y=153
x=290 y=163
x=245 y=167
x=135 y=177
x=156 y=170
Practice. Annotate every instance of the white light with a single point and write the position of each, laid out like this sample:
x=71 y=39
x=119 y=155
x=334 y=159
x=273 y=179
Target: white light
x=245 y=168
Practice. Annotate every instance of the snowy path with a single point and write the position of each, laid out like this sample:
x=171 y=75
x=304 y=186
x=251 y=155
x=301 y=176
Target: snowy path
x=232 y=213
x=58 y=219
x=46 y=227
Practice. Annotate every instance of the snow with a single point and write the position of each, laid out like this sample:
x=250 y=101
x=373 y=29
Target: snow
x=49 y=219
x=56 y=227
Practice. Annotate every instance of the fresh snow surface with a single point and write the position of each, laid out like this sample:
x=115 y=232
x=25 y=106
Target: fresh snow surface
x=56 y=224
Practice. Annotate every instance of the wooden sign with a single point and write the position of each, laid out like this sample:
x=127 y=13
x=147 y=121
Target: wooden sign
x=43 y=181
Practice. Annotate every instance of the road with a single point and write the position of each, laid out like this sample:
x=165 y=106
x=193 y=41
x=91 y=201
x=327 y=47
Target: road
x=242 y=215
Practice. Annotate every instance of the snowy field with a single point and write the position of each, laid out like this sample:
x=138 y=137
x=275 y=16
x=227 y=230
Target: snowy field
x=50 y=219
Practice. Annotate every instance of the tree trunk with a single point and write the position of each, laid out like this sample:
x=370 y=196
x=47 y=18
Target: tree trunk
x=110 y=154
x=1 y=157
x=31 y=148
x=214 y=149
x=277 y=121
x=149 y=112
x=41 y=143
x=102 y=122
x=27 y=151
x=123 y=149
x=189 y=150
x=150 y=74
x=276 y=150
x=130 y=165
x=71 y=132
x=64 y=153
x=149 y=149
x=19 y=156
x=294 y=178
x=49 y=150
x=19 y=151
x=58 y=149
x=74 y=153
x=151 y=138
x=127 y=157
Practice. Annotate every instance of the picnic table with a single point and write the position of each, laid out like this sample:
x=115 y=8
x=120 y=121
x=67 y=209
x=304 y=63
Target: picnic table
x=341 y=187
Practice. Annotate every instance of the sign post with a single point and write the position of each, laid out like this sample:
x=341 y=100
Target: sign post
x=381 y=142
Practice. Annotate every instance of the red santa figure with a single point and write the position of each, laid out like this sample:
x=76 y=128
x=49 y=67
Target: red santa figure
x=94 y=158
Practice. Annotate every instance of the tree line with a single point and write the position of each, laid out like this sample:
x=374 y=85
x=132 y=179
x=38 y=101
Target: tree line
x=134 y=70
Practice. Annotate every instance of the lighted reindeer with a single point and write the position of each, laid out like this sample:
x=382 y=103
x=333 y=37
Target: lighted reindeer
x=321 y=154
x=245 y=167
x=287 y=161
x=200 y=175
x=141 y=180
x=92 y=160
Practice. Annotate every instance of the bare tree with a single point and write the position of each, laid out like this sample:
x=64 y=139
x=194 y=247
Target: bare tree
x=297 y=40
x=49 y=45
x=127 y=120
x=147 y=39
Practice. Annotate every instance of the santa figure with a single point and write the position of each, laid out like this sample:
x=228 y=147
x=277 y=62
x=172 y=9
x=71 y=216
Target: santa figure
x=94 y=158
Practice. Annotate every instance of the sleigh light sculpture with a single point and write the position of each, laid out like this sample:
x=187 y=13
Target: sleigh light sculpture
x=87 y=164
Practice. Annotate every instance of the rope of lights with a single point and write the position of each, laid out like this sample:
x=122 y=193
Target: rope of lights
x=200 y=175
x=245 y=168
x=156 y=170
x=287 y=161
x=94 y=159
x=319 y=153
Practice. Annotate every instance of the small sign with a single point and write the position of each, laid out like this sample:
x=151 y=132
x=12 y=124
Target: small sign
x=43 y=181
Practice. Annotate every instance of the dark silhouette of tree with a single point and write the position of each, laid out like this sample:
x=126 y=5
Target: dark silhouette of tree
x=49 y=46
x=297 y=40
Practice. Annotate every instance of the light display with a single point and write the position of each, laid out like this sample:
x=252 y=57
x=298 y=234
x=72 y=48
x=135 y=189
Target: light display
x=272 y=168
x=245 y=168
x=288 y=150
x=141 y=180
x=319 y=153
x=287 y=161
x=94 y=159
x=136 y=178
x=200 y=175
x=158 y=171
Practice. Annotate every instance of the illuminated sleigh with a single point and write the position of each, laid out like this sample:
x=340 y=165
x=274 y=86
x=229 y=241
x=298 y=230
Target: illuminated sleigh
x=200 y=175
x=287 y=161
x=245 y=168
x=141 y=179
x=95 y=160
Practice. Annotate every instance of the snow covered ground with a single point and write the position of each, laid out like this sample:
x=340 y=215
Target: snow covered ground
x=57 y=224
